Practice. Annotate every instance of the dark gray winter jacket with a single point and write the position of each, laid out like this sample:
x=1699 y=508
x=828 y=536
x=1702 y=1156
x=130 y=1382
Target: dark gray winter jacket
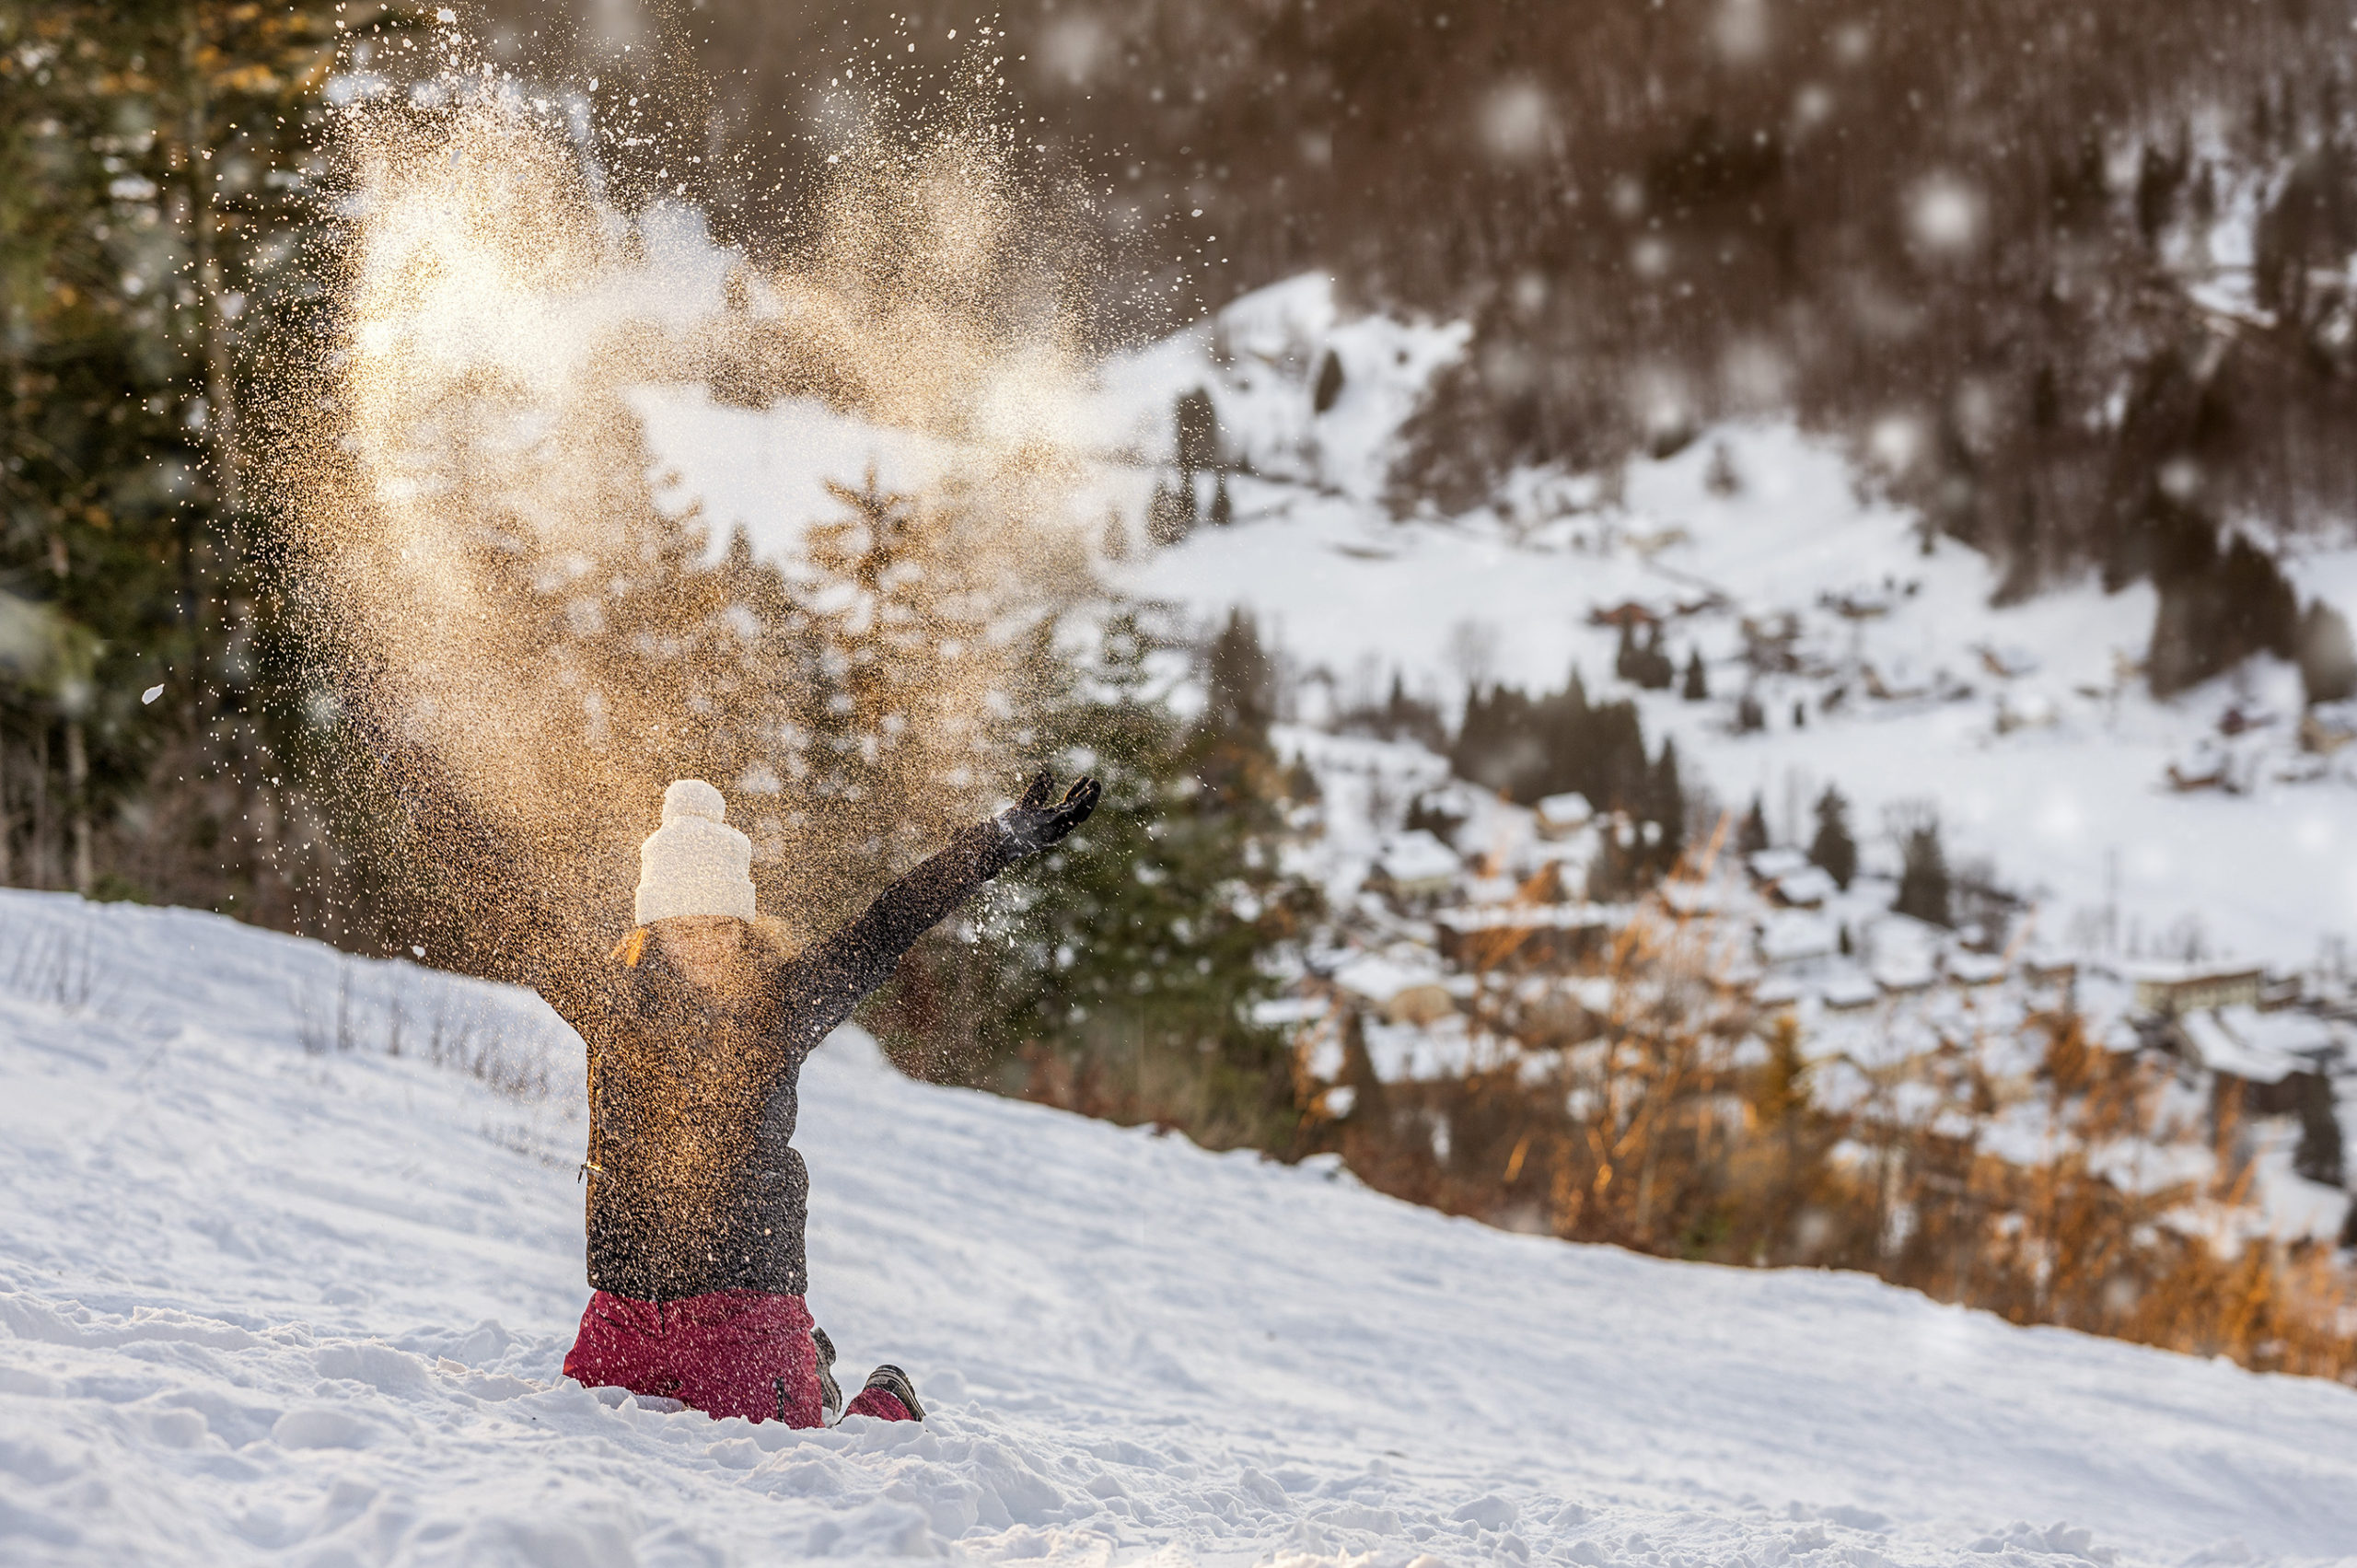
x=692 y=1185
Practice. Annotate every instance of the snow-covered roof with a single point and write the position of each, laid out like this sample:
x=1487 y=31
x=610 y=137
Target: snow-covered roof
x=2261 y=1047
x=1693 y=898
x=1808 y=887
x=1275 y=1011
x=1906 y=953
x=1418 y=857
x=1594 y=993
x=1976 y=969
x=2173 y=971
x=1570 y=809
x=1378 y=977
x=1408 y=1051
x=1849 y=987
x=1769 y=864
x=1904 y=970
x=1793 y=935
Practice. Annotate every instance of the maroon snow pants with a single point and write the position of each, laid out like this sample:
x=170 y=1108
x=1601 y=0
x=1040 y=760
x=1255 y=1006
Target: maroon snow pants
x=727 y=1352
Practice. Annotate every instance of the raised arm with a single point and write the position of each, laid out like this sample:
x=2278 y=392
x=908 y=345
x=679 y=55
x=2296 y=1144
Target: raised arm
x=818 y=990
x=513 y=927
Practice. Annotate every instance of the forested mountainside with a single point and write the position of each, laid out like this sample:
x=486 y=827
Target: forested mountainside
x=2079 y=277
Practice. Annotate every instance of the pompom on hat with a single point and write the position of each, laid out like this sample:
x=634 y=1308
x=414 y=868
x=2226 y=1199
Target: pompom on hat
x=694 y=864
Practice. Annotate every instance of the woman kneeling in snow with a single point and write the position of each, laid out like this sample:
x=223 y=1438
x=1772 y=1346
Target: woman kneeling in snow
x=697 y=1031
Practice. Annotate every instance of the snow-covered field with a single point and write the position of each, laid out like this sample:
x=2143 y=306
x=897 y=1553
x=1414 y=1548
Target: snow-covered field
x=272 y=1295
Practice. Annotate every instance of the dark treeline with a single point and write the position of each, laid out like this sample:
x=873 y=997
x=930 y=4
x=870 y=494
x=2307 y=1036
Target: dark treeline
x=156 y=166
x=1560 y=742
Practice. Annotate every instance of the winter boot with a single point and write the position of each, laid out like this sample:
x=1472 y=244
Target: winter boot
x=887 y=1385
x=831 y=1393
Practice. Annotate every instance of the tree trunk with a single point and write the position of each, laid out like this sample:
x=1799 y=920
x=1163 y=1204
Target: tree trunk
x=220 y=392
x=77 y=799
x=38 y=851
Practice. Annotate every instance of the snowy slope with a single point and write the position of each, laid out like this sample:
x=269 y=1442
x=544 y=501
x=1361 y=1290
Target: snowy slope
x=266 y=1302
x=2026 y=726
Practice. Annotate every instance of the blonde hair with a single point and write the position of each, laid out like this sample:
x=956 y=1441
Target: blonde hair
x=784 y=940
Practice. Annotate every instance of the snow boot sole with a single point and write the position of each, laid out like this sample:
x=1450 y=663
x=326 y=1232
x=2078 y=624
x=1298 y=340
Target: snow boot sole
x=831 y=1393
x=891 y=1380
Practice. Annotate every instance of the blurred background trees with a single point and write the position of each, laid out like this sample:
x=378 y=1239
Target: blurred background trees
x=2075 y=285
x=1991 y=230
x=155 y=161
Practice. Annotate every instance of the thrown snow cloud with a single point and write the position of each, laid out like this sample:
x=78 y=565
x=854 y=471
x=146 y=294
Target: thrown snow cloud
x=477 y=498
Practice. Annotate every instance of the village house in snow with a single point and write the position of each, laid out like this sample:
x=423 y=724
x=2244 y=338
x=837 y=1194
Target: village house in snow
x=2166 y=990
x=1415 y=866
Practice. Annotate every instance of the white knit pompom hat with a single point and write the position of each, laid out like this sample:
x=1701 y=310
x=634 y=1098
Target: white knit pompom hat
x=694 y=864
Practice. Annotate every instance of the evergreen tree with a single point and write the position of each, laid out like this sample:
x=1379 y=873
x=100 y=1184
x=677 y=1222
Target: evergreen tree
x=2328 y=659
x=1698 y=684
x=1171 y=516
x=2216 y=607
x=1751 y=834
x=902 y=671
x=1833 y=848
x=1329 y=391
x=1197 y=423
x=156 y=165
x=1117 y=976
x=1532 y=749
x=1236 y=762
x=1654 y=671
x=1924 y=882
x=1411 y=718
x=1666 y=804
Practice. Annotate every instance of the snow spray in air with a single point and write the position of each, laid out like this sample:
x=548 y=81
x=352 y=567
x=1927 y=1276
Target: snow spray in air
x=526 y=645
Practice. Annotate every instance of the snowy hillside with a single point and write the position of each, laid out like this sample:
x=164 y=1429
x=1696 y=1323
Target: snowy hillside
x=2028 y=727
x=271 y=1294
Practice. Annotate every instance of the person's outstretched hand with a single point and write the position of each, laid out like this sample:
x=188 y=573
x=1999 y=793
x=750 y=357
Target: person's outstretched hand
x=1039 y=820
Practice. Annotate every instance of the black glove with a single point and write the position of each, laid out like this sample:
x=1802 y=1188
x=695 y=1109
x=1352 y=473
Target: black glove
x=1039 y=820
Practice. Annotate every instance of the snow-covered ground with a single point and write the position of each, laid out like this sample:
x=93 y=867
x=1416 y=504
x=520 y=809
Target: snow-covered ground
x=270 y=1295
